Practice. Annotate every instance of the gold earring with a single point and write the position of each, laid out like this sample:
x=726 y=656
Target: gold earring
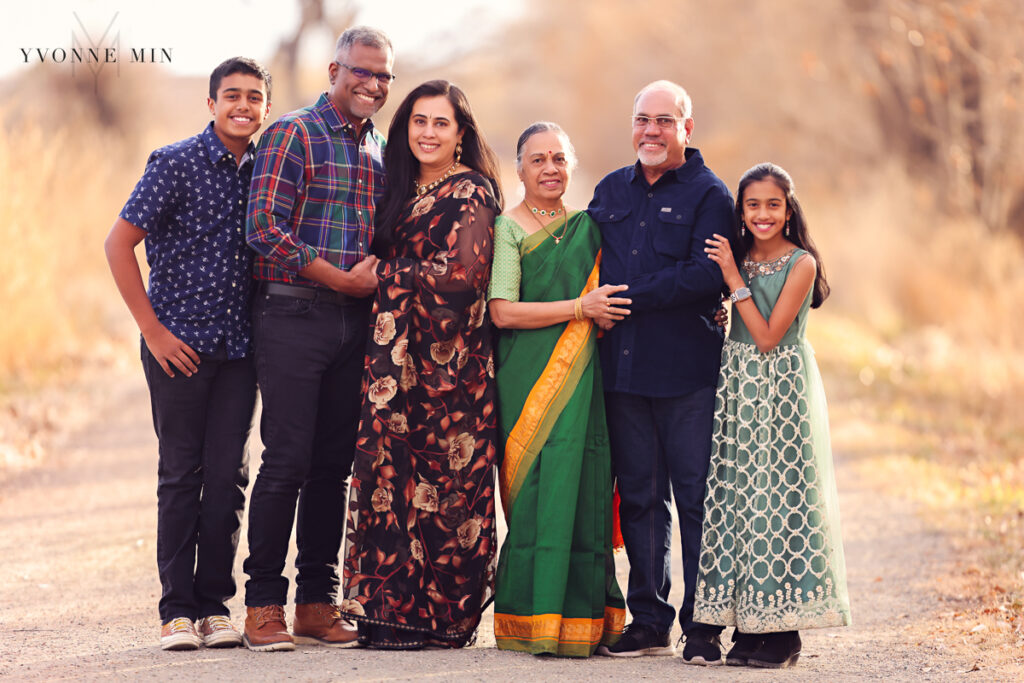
x=458 y=151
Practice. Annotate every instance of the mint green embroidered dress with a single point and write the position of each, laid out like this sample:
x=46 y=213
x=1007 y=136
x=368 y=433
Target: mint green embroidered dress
x=771 y=553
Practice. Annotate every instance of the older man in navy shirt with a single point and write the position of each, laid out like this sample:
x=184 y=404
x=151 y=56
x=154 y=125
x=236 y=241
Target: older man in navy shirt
x=661 y=363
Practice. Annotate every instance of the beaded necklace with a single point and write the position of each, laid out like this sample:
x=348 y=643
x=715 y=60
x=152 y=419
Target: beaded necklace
x=423 y=189
x=554 y=212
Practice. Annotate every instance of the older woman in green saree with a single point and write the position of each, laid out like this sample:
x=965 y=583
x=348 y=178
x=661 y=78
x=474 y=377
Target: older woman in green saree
x=556 y=587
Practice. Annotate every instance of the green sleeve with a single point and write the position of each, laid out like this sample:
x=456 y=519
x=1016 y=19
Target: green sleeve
x=505 y=271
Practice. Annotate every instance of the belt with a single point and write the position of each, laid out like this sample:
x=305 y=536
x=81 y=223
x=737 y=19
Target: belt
x=310 y=293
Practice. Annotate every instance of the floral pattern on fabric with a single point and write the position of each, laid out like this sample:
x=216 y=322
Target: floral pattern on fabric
x=420 y=552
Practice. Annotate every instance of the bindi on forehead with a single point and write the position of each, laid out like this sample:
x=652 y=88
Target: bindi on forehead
x=430 y=117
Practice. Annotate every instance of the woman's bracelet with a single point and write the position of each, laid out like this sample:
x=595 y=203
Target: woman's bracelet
x=578 y=308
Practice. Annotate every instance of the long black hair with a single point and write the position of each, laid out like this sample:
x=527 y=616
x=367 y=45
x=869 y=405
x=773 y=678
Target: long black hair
x=798 y=234
x=402 y=166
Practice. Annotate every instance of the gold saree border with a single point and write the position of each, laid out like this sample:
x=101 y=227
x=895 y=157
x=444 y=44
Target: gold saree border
x=563 y=635
x=546 y=400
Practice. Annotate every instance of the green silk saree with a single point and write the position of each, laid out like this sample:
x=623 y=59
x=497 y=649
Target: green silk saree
x=556 y=587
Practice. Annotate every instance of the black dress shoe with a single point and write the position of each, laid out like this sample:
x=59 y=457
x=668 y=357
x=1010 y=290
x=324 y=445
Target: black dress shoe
x=778 y=651
x=745 y=645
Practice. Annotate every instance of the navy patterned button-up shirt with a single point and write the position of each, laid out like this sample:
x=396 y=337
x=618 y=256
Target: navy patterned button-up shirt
x=652 y=239
x=191 y=201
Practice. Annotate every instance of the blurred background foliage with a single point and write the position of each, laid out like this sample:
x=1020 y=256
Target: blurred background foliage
x=900 y=121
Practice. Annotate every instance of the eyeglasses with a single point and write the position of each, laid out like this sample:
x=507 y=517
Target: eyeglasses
x=641 y=121
x=364 y=75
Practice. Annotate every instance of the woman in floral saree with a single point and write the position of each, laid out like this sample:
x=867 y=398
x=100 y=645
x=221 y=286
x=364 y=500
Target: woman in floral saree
x=419 y=556
x=556 y=587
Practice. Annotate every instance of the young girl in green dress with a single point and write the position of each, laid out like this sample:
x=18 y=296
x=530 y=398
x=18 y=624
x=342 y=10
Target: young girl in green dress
x=771 y=556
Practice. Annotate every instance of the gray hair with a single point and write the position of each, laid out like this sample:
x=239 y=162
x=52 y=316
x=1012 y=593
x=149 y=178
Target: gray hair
x=364 y=35
x=544 y=127
x=683 y=102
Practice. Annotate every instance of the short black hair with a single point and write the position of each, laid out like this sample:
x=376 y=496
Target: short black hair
x=238 y=65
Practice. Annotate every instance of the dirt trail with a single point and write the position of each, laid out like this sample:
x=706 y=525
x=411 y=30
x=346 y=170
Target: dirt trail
x=78 y=586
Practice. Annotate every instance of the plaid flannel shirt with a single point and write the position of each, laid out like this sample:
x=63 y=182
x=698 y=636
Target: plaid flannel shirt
x=313 y=191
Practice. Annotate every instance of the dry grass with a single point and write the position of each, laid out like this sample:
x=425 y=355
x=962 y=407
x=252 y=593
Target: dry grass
x=925 y=380
x=58 y=201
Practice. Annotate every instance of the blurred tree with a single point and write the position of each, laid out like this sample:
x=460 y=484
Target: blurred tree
x=313 y=15
x=945 y=80
x=766 y=83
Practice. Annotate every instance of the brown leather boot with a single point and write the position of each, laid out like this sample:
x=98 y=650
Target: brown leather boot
x=266 y=630
x=320 y=623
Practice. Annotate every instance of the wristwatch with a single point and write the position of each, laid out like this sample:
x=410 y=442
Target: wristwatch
x=740 y=294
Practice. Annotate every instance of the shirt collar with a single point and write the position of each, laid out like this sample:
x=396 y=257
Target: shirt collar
x=216 y=149
x=693 y=161
x=337 y=121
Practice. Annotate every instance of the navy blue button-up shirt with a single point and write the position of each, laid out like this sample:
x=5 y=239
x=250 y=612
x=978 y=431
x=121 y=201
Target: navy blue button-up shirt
x=191 y=202
x=653 y=240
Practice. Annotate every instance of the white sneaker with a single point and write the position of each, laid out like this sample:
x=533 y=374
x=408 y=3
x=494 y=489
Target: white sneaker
x=218 y=631
x=179 y=634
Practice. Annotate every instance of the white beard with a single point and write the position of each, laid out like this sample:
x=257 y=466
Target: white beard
x=652 y=158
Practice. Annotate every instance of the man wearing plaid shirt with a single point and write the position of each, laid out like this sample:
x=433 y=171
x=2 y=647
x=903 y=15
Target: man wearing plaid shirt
x=318 y=173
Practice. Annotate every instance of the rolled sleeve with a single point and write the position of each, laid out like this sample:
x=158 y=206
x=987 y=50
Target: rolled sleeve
x=277 y=181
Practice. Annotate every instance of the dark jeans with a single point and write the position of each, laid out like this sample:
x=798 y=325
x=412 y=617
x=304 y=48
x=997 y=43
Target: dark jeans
x=661 y=445
x=309 y=362
x=202 y=423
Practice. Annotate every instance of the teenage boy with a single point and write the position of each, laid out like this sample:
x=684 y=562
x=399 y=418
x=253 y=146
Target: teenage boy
x=189 y=207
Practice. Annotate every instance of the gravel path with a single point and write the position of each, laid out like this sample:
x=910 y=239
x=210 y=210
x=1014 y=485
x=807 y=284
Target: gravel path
x=78 y=586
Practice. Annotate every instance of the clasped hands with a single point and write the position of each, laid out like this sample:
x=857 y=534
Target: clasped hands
x=363 y=282
x=601 y=306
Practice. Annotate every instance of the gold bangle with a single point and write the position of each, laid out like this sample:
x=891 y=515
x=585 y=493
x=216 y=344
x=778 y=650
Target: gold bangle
x=578 y=308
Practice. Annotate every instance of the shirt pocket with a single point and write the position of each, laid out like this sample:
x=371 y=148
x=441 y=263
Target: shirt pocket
x=673 y=232
x=611 y=215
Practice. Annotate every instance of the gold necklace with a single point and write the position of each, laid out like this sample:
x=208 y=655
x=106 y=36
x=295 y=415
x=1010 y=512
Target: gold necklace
x=423 y=189
x=561 y=209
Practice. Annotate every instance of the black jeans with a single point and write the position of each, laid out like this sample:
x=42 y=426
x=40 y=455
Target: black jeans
x=202 y=423
x=309 y=363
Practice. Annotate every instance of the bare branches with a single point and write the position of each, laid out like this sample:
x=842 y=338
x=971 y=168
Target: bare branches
x=944 y=78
